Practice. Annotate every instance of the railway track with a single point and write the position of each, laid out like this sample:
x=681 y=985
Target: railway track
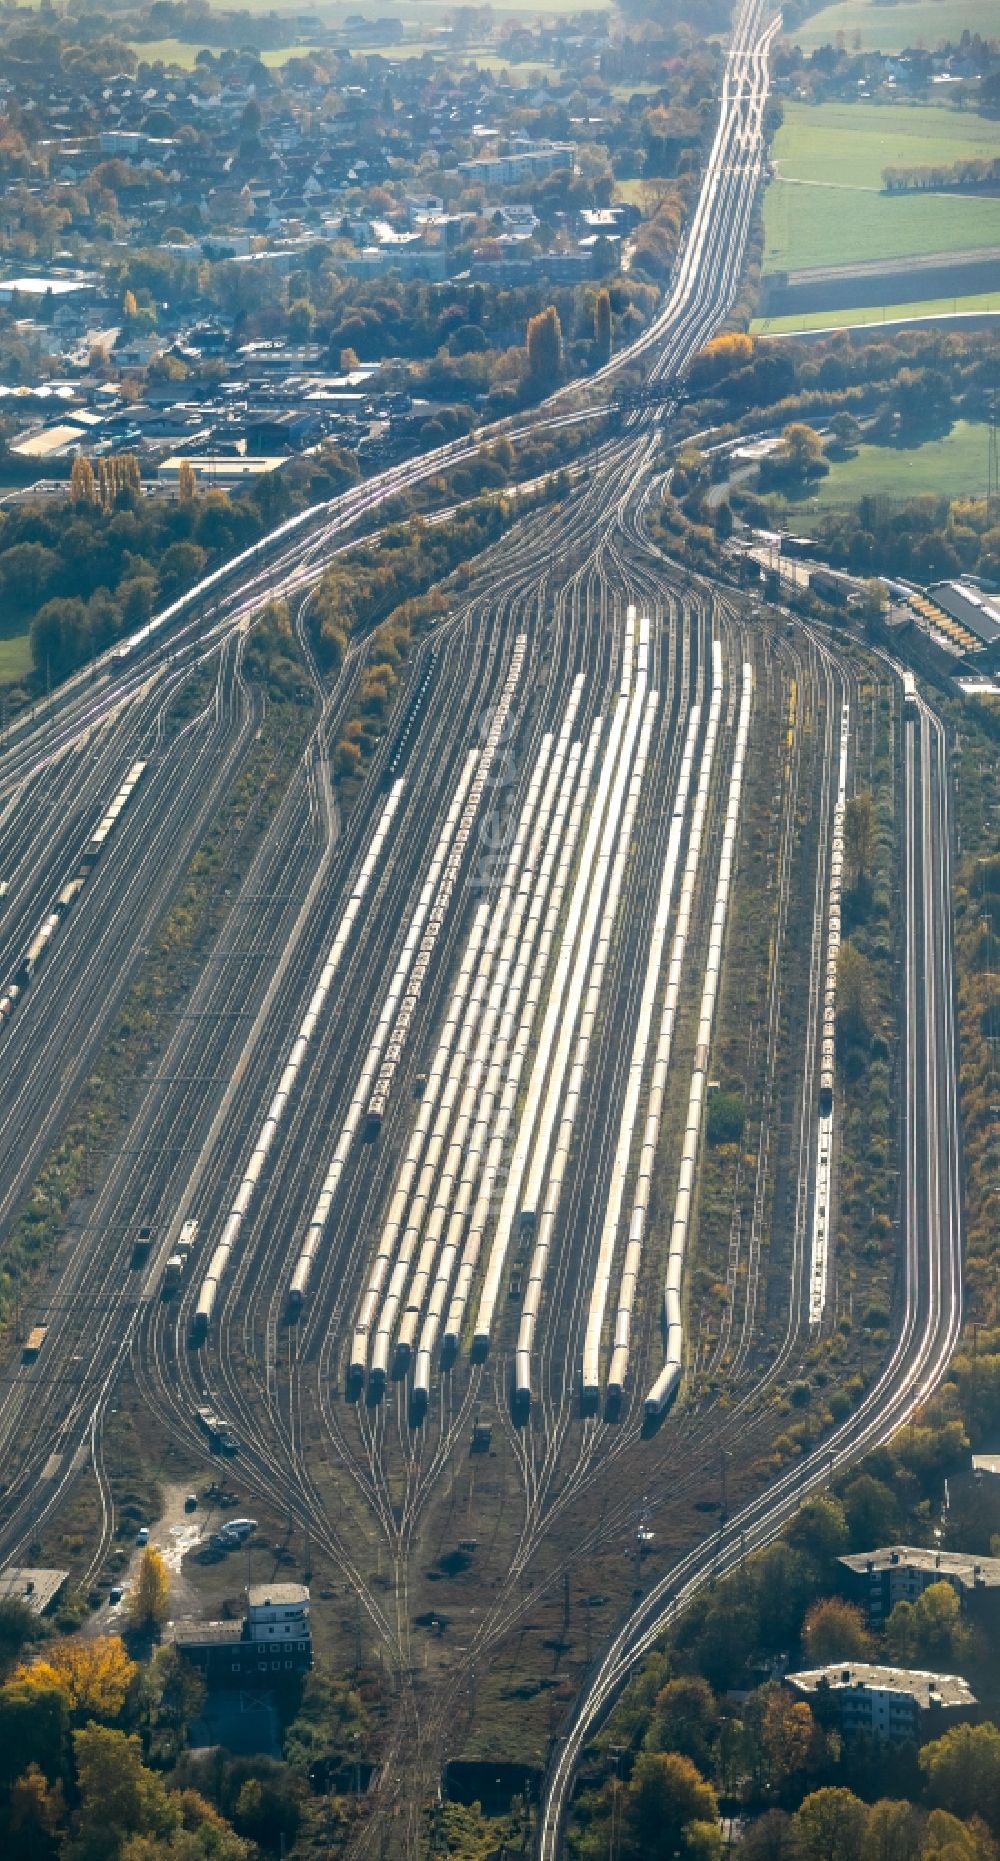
x=555 y=643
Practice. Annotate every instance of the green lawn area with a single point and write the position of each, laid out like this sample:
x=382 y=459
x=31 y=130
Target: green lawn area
x=955 y=465
x=15 y=659
x=873 y=28
x=826 y=207
x=184 y=52
x=869 y=314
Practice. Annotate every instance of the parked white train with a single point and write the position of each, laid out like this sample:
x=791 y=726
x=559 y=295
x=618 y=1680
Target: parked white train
x=38 y=947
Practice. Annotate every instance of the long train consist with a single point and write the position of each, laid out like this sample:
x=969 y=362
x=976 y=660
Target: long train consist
x=823 y=1187
x=296 y=1059
x=38 y=947
x=828 y=1054
x=665 y=1385
x=651 y=982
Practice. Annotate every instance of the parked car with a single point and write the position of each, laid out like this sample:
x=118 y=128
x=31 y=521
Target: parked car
x=142 y=1535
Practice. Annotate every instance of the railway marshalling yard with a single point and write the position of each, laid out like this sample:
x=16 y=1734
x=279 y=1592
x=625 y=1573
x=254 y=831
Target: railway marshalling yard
x=496 y=1092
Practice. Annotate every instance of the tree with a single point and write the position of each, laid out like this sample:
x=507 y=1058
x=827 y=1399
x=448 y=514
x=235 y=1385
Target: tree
x=831 y=1825
x=187 y=483
x=34 y=1729
x=835 y=1631
x=174 y=1696
x=82 y=486
x=951 y=1840
x=772 y=1837
x=937 y=1624
x=119 y=1797
x=860 y=834
x=855 y=992
x=203 y=1835
x=820 y=1529
x=602 y=325
x=93 y=1676
x=268 y=1801
x=545 y=348
x=684 y=1718
x=788 y=1734
x=846 y=429
x=667 y=1794
x=18 y=1625
x=149 y=1601
x=27 y=572
x=875 y=603
x=180 y=565
x=130 y=307
x=35 y=1814
x=901 y=1635
x=962 y=1769
x=801 y=451
x=872 y=1512
x=894 y=1832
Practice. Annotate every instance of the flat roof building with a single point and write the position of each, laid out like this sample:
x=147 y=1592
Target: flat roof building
x=270 y=1643
x=33 y=1585
x=878 y=1580
x=897 y=1704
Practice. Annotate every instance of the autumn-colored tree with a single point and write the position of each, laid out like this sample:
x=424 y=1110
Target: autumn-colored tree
x=118 y=1796
x=187 y=483
x=545 y=348
x=93 y=1676
x=962 y=1769
x=894 y=1832
x=348 y=361
x=36 y=1813
x=82 y=486
x=948 y=1839
x=149 y=1601
x=801 y=450
x=939 y=1633
x=666 y=1796
x=789 y=1735
x=602 y=325
x=130 y=307
x=116 y=474
x=202 y=1834
x=831 y=1825
x=835 y=1631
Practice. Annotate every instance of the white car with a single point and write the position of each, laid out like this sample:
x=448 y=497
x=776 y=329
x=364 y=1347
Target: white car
x=142 y=1535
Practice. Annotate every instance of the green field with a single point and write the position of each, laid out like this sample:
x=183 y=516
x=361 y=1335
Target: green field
x=15 y=659
x=871 y=314
x=825 y=206
x=868 y=27
x=184 y=53
x=955 y=466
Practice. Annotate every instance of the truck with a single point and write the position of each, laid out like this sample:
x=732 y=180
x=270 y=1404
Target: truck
x=35 y=1340
x=188 y=1235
